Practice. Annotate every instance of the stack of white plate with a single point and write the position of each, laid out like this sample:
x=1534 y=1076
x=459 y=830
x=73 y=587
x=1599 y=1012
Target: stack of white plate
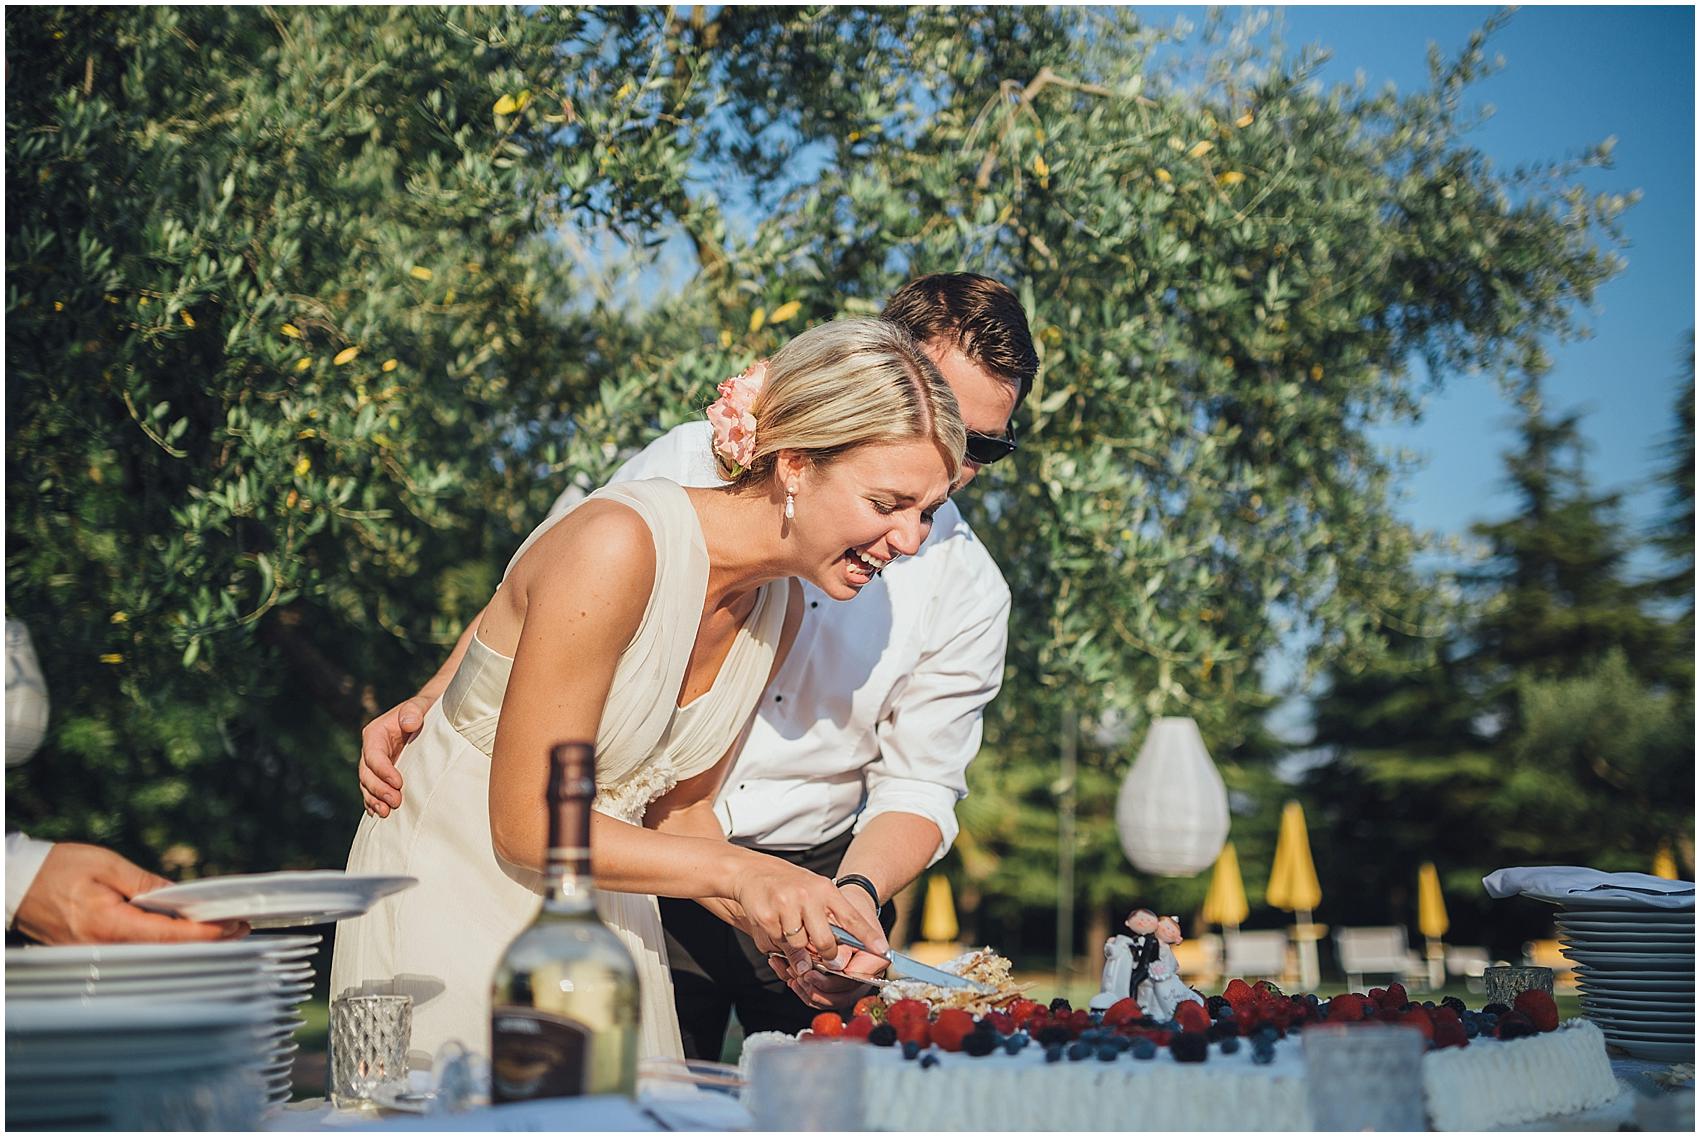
x=117 y=1063
x=1635 y=968
x=262 y=978
x=289 y=971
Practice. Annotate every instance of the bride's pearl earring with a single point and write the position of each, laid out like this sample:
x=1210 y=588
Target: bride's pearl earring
x=790 y=502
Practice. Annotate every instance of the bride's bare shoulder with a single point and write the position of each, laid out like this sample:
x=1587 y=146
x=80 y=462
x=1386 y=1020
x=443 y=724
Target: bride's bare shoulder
x=600 y=540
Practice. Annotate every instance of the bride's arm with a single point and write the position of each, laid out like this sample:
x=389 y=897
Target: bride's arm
x=775 y=896
x=687 y=810
x=566 y=611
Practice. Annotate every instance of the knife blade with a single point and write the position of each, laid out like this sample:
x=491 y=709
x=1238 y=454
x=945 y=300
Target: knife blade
x=905 y=966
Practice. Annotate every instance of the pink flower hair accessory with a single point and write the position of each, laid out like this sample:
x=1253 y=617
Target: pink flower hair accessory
x=731 y=417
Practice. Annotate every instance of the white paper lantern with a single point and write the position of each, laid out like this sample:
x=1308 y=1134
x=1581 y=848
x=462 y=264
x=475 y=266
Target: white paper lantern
x=26 y=695
x=1172 y=811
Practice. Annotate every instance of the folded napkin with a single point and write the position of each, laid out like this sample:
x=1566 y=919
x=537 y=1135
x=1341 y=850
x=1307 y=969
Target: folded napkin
x=1561 y=884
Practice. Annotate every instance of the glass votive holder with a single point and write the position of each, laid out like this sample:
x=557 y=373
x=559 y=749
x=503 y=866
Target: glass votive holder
x=810 y=1087
x=1367 y=1076
x=1504 y=984
x=367 y=1046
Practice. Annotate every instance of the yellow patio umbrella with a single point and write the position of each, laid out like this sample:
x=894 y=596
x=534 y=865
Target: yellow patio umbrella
x=1432 y=921
x=1431 y=905
x=1225 y=903
x=938 y=912
x=1664 y=862
x=1293 y=887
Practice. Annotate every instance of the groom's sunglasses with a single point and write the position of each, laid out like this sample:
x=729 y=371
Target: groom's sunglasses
x=984 y=449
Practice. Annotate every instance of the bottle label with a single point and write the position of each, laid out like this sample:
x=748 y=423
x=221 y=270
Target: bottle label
x=534 y=1054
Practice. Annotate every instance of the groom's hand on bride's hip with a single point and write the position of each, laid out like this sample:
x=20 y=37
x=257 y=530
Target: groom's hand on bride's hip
x=381 y=743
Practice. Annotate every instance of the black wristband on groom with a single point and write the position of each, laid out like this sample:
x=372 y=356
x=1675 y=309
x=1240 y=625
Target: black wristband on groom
x=861 y=881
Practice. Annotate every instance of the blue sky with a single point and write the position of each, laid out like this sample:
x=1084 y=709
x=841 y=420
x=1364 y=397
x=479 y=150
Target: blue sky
x=1572 y=76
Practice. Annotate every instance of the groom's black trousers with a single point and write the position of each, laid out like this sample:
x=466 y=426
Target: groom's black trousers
x=718 y=970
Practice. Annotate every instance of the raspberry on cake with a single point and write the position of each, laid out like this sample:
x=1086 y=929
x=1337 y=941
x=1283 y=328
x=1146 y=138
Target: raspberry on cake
x=1539 y=1008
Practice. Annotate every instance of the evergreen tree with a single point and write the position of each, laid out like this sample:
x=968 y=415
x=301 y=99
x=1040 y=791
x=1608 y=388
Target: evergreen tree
x=1673 y=534
x=1595 y=750
x=1536 y=731
x=1556 y=569
x=1408 y=766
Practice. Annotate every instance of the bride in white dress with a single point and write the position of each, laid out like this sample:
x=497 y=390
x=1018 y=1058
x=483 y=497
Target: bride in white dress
x=650 y=619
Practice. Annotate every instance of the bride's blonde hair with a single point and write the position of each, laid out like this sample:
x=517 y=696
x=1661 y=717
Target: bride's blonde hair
x=845 y=384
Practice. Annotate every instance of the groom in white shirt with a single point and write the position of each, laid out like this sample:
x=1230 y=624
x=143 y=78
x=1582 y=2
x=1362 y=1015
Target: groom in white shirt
x=858 y=755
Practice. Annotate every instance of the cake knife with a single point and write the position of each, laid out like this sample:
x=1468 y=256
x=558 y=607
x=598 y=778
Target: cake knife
x=908 y=967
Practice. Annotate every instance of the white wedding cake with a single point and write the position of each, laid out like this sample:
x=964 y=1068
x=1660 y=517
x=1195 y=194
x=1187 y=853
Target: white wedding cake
x=1488 y=1084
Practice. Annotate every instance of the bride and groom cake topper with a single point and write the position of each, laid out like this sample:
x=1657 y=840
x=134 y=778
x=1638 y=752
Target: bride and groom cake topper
x=1142 y=966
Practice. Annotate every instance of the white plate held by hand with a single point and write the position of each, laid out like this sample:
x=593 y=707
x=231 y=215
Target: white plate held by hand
x=276 y=899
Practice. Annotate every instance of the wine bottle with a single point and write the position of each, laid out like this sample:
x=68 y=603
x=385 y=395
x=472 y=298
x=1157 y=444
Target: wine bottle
x=564 y=1005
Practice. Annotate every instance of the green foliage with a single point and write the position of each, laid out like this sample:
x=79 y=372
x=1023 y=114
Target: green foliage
x=1007 y=857
x=279 y=307
x=1675 y=534
x=1602 y=759
x=1227 y=279
x=1228 y=272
